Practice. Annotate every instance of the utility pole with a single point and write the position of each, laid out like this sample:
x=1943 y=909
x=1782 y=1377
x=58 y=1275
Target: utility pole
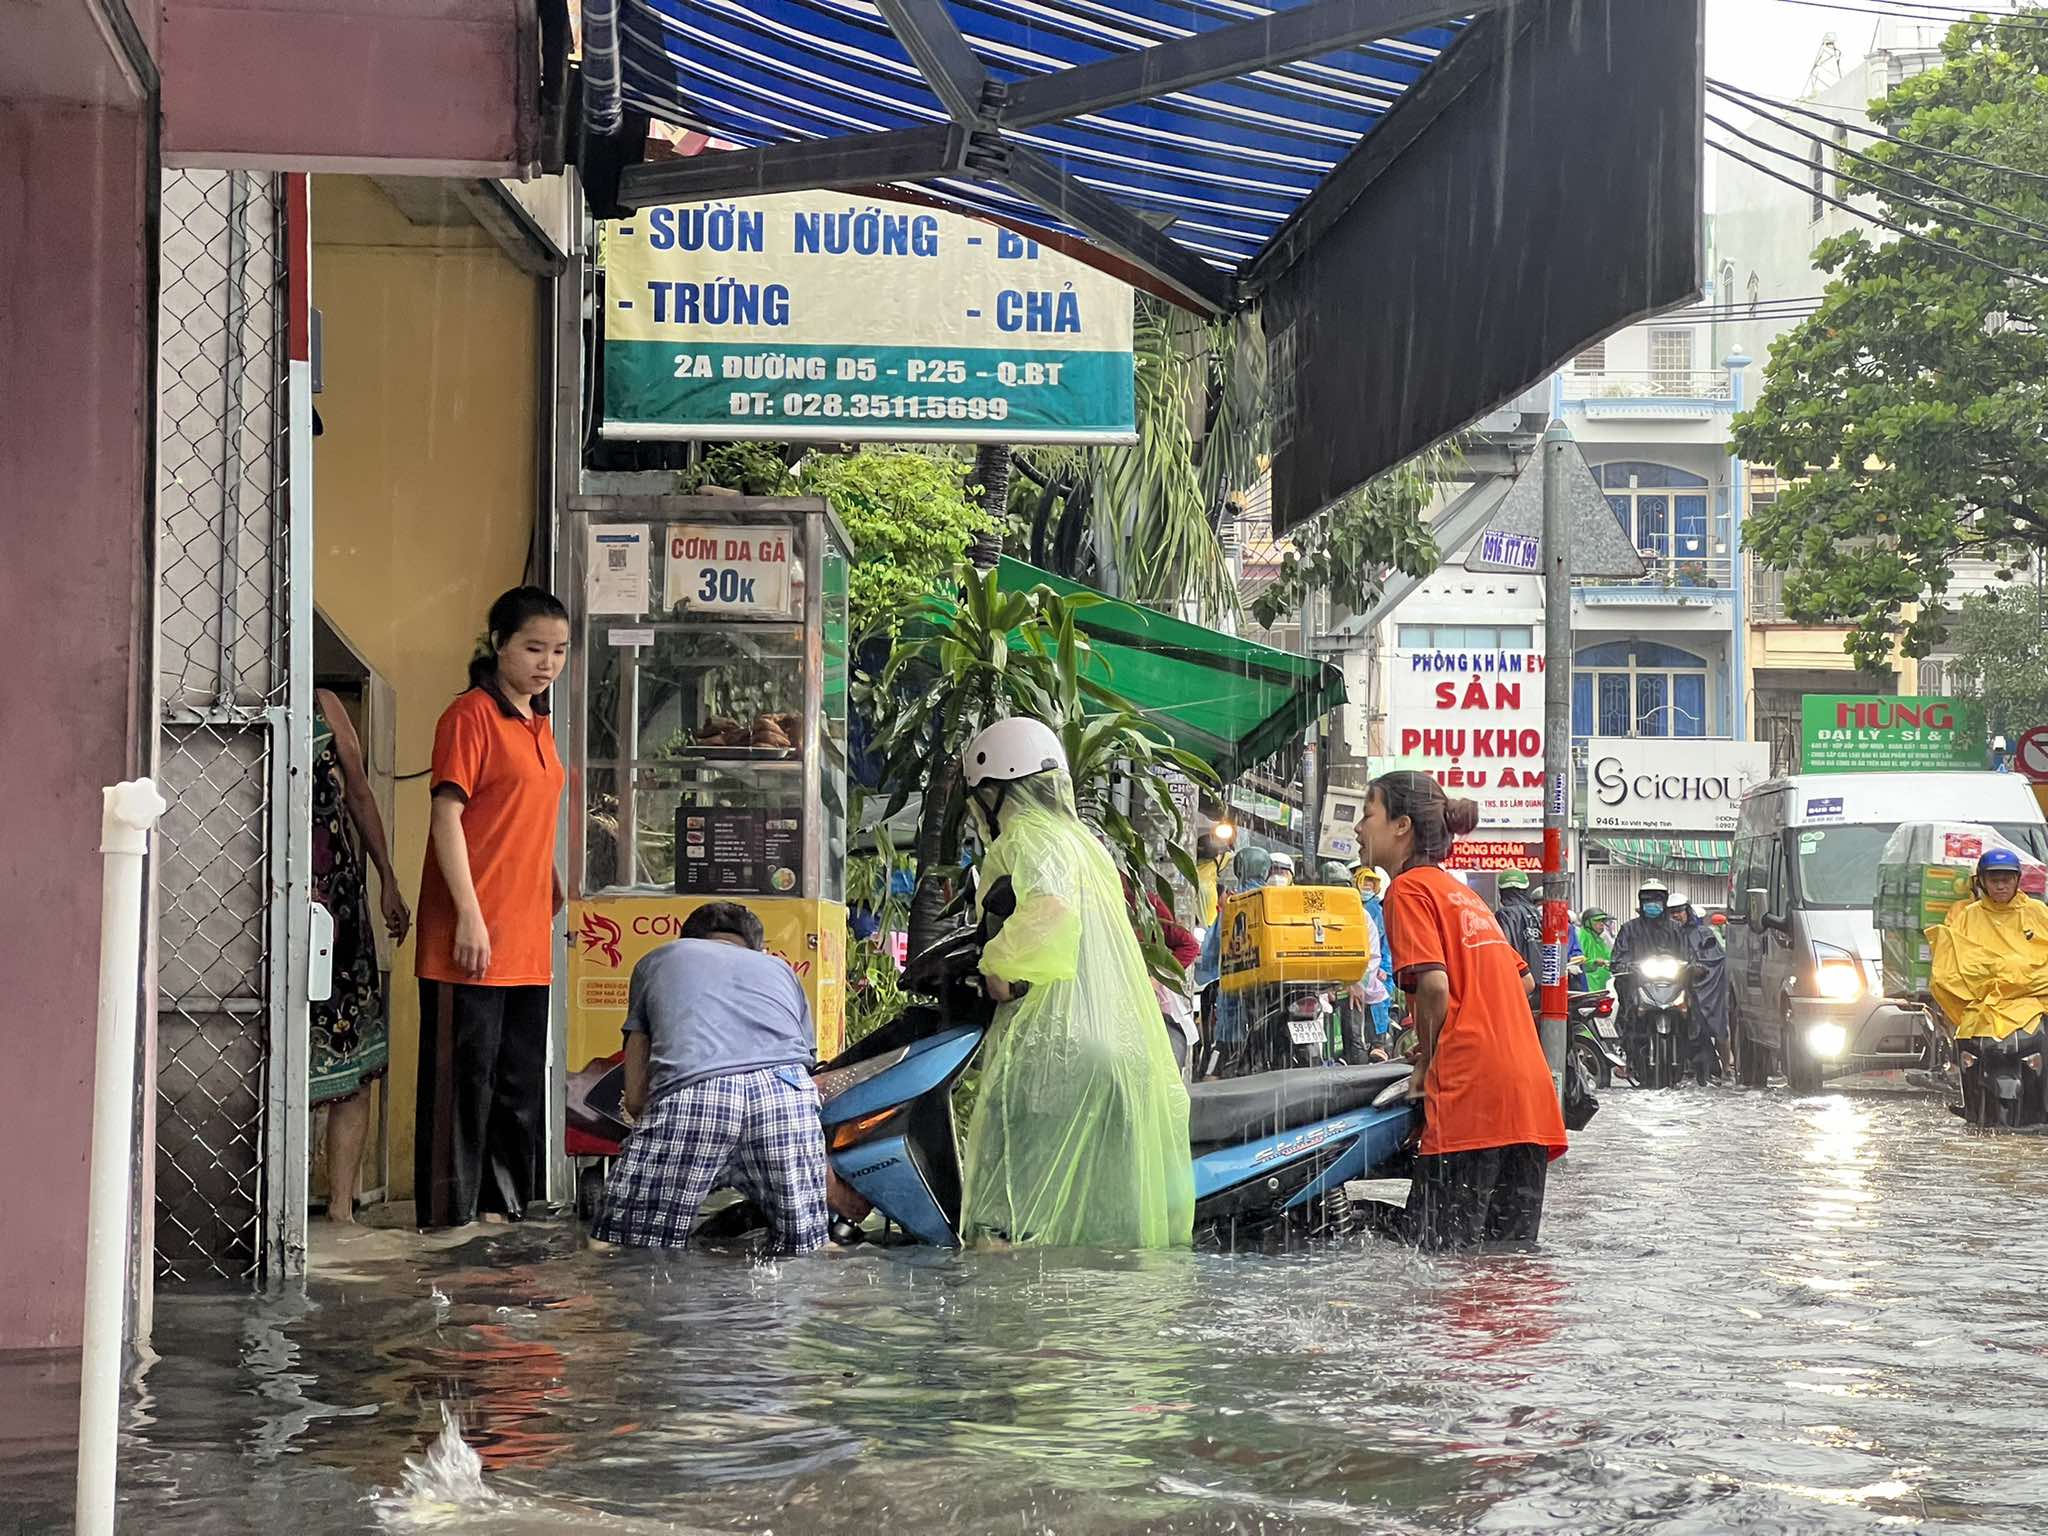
x=1312 y=767
x=1557 y=745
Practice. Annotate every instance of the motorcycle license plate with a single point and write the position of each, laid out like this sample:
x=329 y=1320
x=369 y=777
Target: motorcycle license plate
x=1606 y=1029
x=1305 y=1031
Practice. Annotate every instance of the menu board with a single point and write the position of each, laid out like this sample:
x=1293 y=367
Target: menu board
x=738 y=850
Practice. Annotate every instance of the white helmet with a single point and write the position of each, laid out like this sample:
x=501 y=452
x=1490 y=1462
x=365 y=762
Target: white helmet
x=1012 y=749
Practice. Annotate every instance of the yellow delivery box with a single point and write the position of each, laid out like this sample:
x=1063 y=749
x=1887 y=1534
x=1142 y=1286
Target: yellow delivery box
x=1308 y=933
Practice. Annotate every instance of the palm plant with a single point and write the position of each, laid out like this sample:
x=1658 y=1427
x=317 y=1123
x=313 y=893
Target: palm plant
x=1152 y=509
x=964 y=664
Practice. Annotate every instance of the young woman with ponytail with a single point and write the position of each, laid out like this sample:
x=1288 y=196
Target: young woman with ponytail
x=487 y=902
x=1491 y=1117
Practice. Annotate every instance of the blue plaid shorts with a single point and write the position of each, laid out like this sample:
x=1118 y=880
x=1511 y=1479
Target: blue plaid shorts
x=756 y=1132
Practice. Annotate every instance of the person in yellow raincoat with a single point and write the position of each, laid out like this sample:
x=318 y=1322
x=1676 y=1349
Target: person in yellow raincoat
x=1990 y=976
x=1080 y=1129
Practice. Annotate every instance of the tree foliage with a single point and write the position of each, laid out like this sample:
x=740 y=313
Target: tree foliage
x=1202 y=419
x=1907 y=414
x=1347 y=549
x=911 y=516
x=2001 y=643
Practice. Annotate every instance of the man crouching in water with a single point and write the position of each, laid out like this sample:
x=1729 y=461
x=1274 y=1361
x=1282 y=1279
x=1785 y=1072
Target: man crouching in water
x=719 y=1048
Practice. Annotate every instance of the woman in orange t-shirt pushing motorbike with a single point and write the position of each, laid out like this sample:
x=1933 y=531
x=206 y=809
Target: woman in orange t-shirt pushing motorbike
x=1492 y=1122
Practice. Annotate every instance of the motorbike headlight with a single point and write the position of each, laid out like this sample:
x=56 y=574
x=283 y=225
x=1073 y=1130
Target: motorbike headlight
x=1659 y=968
x=1838 y=979
x=1827 y=1041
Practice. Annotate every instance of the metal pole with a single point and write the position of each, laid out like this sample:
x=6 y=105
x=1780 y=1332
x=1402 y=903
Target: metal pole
x=1557 y=743
x=1311 y=766
x=128 y=812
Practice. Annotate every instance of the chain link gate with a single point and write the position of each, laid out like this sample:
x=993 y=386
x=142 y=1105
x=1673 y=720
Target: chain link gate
x=229 y=1058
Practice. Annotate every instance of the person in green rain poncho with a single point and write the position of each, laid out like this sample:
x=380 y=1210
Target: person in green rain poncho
x=1080 y=1129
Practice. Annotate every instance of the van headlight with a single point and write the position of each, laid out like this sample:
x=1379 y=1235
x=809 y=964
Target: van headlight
x=1827 y=1041
x=1838 y=978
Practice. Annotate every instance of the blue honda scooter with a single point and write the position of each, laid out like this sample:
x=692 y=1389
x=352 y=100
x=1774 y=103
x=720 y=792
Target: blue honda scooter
x=1271 y=1151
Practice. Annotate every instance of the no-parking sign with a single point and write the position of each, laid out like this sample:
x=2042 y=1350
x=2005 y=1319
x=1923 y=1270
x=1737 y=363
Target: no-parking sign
x=2032 y=756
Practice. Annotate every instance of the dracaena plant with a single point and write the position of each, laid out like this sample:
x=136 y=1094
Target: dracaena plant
x=966 y=661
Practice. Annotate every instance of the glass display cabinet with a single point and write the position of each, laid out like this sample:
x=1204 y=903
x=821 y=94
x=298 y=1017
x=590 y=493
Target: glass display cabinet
x=706 y=738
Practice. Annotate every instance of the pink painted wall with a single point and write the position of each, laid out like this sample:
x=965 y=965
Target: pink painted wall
x=75 y=507
x=444 y=87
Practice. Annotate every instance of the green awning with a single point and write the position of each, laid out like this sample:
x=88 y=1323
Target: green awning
x=1688 y=855
x=1231 y=702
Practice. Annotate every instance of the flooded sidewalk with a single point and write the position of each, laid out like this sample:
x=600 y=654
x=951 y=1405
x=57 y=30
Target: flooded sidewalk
x=1752 y=1312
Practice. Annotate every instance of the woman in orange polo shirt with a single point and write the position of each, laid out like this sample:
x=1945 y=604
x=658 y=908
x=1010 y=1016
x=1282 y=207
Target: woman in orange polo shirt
x=1491 y=1120
x=486 y=944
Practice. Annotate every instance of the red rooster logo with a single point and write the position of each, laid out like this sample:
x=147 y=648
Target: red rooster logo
x=601 y=936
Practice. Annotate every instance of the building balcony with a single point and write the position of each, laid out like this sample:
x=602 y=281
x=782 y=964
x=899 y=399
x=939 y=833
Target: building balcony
x=1764 y=598
x=1670 y=582
x=1670 y=394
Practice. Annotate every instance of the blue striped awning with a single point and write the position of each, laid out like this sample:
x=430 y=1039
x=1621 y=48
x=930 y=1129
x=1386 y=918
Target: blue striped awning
x=1218 y=166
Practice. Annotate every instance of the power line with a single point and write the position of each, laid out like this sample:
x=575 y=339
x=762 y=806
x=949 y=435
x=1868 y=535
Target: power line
x=1898 y=229
x=1891 y=195
x=1930 y=15
x=1943 y=190
x=1724 y=89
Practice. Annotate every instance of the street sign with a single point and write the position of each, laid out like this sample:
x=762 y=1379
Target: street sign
x=2032 y=756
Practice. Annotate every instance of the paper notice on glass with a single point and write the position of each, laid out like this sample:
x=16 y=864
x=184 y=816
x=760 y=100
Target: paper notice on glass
x=616 y=566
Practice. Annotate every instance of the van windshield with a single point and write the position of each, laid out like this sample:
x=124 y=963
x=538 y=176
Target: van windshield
x=1837 y=866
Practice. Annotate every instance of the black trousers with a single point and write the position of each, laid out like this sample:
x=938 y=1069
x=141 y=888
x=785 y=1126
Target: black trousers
x=1464 y=1200
x=483 y=1067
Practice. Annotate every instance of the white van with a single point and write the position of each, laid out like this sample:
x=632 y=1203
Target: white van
x=1803 y=971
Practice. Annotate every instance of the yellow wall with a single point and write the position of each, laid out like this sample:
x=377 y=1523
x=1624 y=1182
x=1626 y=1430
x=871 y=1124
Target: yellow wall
x=424 y=489
x=1811 y=649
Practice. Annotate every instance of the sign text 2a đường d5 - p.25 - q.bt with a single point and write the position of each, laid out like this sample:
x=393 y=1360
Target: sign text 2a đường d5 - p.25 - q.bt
x=814 y=316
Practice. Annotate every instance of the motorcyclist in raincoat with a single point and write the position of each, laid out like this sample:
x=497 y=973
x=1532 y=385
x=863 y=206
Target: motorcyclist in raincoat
x=1595 y=927
x=1080 y=1129
x=1710 y=984
x=1990 y=976
x=1650 y=932
x=1376 y=991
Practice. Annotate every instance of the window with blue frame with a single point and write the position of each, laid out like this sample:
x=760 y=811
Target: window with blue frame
x=1639 y=688
x=1663 y=510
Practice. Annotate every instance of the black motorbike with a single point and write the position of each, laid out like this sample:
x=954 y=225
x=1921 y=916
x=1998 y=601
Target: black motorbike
x=2003 y=1082
x=1289 y=1027
x=1596 y=1038
x=1660 y=1033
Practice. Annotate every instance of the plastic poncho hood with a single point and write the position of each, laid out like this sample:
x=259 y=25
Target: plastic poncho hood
x=1990 y=966
x=1080 y=1130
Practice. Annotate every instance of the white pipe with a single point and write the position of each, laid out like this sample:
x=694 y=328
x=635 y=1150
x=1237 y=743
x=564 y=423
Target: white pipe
x=128 y=812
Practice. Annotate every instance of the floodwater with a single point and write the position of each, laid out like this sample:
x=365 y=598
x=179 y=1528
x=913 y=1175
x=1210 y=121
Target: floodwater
x=1752 y=1313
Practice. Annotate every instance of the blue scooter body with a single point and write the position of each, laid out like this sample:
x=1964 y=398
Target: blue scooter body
x=890 y=1136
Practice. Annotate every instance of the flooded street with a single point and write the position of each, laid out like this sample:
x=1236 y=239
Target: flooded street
x=1752 y=1312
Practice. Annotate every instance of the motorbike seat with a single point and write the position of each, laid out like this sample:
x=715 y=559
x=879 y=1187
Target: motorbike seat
x=1241 y=1109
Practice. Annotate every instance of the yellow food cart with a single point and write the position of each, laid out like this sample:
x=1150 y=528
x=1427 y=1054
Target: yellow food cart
x=707 y=742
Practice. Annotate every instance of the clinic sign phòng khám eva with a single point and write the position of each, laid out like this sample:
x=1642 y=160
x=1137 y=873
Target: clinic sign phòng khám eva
x=812 y=315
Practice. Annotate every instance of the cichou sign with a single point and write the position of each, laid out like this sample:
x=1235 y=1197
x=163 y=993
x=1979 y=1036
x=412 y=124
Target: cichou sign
x=1473 y=720
x=815 y=316
x=1670 y=784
